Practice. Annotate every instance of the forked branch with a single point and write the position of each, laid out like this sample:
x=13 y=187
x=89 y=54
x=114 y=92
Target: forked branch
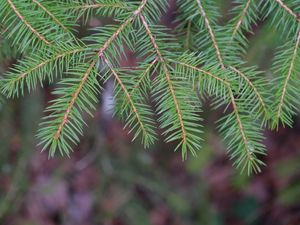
x=167 y=75
x=246 y=142
x=100 y=54
x=251 y=84
x=127 y=94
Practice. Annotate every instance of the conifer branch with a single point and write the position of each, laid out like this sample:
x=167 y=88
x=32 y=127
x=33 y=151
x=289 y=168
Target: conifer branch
x=240 y=124
x=211 y=33
x=251 y=84
x=167 y=75
x=100 y=54
x=40 y=36
x=240 y=21
x=243 y=145
x=73 y=100
x=33 y=69
x=50 y=14
x=144 y=74
x=43 y=63
x=288 y=10
x=122 y=27
x=127 y=94
x=99 y=5
x=288 y=77
x=203 y=71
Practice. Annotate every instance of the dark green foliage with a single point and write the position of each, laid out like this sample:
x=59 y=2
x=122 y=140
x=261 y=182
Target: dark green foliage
x=201 y=57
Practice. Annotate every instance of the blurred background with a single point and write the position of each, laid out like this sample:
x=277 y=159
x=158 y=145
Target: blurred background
x=112 y=181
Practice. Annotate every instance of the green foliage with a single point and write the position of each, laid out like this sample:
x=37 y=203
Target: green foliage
x=202 y=56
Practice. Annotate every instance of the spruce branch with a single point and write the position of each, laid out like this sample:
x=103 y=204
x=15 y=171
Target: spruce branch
x=283 y=16
x=288 y=76
x=201 y=57
x=254 y=89
x=30 y=29
x=241 y=18
x=70 y=117
x=145 y=130
x=36 y=69
x=224 y=81
x=249 y=150
x=211 y=33
x=56 y=20
x=144 y=75
x=288 y=10
x=83 y=8
x=244 y=136
x=75 y=95
x=168 y=79
x=78 y=93
x=285 y=89
x=21 y=17
x=245 y=15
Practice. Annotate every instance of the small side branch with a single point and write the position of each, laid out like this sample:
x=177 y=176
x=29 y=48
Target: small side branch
x=251 y=84
x=23 y=75
x=73 y=100
x=40 y=36
x=211 y=33
x=96 y=6
x=240 y=21
x=168 y=77
x=128 y=96
x=245 y=140
x=288 y=10
x=50 y=14
x=204 y=72
x=241 y=127
x=100 y=54
x=144 y=74
x=288 y=77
